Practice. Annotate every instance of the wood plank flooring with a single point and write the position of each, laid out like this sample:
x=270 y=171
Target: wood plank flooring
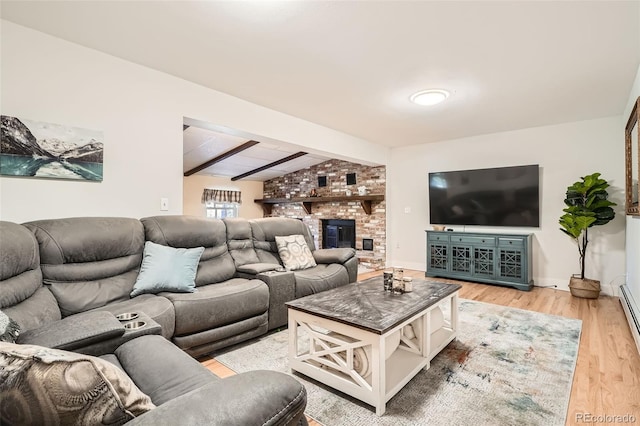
x=607 y=376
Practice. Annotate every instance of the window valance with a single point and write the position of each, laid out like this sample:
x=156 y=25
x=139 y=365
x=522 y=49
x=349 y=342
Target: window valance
x=221 y=196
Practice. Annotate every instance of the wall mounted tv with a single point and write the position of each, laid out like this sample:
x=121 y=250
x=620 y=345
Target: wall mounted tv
x=505 y=196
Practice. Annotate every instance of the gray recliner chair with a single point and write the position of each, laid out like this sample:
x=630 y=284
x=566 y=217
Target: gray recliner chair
x=255 y=253
x=91 y=264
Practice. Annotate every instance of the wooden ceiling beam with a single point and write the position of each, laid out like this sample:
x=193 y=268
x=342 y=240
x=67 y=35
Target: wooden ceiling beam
x=221 y=157
x=268 y=166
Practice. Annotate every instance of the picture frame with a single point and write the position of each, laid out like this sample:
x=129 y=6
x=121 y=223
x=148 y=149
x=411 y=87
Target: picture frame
x=632 y=161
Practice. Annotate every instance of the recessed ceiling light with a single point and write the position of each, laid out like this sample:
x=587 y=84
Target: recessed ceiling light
x=429 y=97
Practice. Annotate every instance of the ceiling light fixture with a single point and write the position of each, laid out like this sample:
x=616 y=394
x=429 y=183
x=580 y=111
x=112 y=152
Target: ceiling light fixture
x=429 y=97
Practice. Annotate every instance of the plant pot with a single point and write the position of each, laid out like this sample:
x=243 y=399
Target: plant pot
x=585 y=288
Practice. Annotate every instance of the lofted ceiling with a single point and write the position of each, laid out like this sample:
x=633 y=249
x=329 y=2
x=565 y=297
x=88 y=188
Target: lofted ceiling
x=352 y=65
x=201 y=145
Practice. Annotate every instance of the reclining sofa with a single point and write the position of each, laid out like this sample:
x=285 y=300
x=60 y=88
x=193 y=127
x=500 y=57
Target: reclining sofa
x=63 y=281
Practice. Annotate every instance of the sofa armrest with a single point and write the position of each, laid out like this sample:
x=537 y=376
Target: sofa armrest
x=333 y=255
x=282 y=289
x=75 y=332
x=109 y=346
x=253 y=398
x=258 y=268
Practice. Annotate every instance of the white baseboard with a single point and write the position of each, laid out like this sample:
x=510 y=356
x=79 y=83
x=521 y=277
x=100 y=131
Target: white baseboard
x=632 y=313
x=563 y=284
x=558 y=283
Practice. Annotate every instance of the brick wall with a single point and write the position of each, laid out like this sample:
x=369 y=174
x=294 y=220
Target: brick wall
x=300 y=183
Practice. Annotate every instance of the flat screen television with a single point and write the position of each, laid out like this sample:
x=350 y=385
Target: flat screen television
x=505 y=196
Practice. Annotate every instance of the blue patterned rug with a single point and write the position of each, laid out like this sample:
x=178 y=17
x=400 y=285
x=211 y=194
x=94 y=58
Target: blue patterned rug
x=507 y=367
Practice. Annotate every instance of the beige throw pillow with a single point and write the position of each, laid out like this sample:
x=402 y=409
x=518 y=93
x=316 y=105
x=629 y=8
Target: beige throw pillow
x=295 y=253
x=49 y=386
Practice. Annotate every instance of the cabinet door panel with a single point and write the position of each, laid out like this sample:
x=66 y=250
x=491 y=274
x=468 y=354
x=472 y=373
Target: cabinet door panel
x=460 y=259
x=438 y=257
x=483 y=262
x=510 y=264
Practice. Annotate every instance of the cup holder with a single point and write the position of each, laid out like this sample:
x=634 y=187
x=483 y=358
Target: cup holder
x=134 y=325
x=127 y=316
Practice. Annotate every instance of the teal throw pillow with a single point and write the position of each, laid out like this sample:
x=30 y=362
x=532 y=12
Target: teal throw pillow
x=167 y=269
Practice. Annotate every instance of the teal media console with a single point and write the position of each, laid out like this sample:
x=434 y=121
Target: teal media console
x=501 y=259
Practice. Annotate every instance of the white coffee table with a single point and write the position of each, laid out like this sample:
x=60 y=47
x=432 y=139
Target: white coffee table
x=361 y=318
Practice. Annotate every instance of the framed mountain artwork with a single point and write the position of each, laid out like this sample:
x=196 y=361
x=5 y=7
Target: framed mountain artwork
x=44 y=150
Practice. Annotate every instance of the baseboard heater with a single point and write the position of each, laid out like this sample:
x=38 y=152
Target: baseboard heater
x=631 y=311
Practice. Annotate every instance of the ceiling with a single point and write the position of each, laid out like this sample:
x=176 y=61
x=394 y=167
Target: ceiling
x=202 y=144
x=352 y=66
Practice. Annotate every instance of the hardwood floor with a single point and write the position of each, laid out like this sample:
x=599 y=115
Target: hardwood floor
x=607 y=377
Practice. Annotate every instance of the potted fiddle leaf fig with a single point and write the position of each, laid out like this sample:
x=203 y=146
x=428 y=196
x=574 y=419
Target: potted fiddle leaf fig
x=587 y=206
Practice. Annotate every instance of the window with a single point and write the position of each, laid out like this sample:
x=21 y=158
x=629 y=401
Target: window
x=221 y=210
x=220 y=203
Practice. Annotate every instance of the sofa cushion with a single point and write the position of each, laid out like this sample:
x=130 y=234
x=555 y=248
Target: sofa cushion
x=78 y=296
x=294 y=252
x=89 y=262
x=22 y=296
x=20 y=275
x=240 y=241
x=216 y=305
x=320 y=278
x=264 y=231
x=167 y=269
x=333 y=255
x=208 y=341
x=49 y=386
x=39 y=309
x=157 y=308
x=142 y=357
x=112 y=359
x=216 y=264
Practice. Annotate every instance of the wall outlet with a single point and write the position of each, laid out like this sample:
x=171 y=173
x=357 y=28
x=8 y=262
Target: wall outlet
x=164 y=204
x=407 y=209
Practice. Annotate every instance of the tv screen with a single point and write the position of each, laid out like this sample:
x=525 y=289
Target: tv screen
x=505 y=196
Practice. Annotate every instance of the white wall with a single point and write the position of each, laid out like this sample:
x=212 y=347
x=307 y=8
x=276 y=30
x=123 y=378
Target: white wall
x=194 y=184
x=633 y=222
x=141 y=112
x=564 y=152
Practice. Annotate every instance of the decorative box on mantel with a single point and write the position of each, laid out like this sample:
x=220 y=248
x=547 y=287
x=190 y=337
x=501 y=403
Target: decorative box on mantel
x=365 y=201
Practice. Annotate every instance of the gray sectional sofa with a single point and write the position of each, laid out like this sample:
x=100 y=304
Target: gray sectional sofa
x=64 y=280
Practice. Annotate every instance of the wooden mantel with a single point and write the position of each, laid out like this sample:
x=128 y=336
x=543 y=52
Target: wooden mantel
x=307 y=202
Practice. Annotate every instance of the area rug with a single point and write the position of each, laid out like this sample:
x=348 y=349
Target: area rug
x=507 y=367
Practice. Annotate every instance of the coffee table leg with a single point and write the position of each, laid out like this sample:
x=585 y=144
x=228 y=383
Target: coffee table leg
x=293 y=336
x=454 y=314
x=379 y=375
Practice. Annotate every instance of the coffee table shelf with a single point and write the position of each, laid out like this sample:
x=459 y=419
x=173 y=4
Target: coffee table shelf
x=324 y=346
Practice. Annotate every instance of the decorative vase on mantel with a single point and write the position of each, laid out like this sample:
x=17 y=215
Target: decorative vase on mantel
x=584 y=287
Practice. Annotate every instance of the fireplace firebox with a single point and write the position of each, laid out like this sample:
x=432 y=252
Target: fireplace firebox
x=338 y=233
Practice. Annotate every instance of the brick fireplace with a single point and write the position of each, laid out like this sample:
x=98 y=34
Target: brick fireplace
x=369 y=229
